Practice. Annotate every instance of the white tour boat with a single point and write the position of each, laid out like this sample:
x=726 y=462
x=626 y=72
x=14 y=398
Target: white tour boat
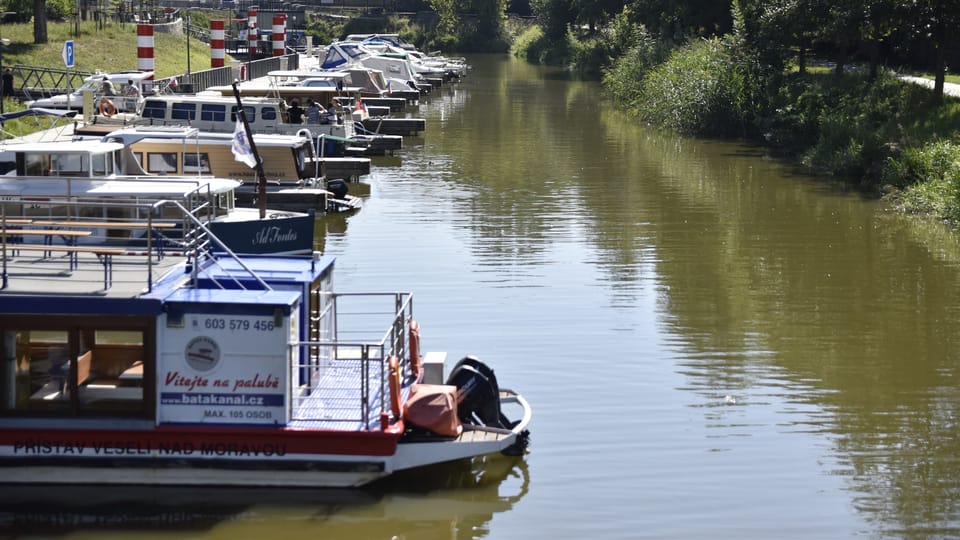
x=229 y=370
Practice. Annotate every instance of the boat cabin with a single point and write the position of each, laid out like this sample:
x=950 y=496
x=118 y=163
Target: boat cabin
x=184 y=151
x=211 y=113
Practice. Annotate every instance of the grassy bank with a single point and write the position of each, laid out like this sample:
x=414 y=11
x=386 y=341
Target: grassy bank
x=112 y=47
x=884 y=134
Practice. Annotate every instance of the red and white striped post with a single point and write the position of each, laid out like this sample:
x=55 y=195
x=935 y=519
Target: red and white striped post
x=252 y=32
x=279 y=33
x=145 y=48
x=217 y=45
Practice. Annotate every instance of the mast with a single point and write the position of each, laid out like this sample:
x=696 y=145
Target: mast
x=261 y=177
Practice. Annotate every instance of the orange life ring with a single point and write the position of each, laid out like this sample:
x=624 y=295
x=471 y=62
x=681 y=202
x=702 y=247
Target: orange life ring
x=416 y=363
x=107 y=108
x=394 y=378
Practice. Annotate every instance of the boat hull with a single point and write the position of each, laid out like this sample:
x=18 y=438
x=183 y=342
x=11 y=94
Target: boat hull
x=223 y=456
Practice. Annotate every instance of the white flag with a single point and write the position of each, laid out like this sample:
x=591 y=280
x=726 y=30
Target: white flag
x=241 y=146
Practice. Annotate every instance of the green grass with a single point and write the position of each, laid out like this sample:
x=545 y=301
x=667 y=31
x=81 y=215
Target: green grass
x=113 y=48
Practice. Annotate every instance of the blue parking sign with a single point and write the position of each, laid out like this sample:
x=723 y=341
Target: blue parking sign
x=67 y=53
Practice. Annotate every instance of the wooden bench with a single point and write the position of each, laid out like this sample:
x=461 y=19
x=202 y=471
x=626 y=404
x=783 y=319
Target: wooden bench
x=83 y=367
x=105 y=254
x=152 y=226
x=46 y=232
x=108 y=224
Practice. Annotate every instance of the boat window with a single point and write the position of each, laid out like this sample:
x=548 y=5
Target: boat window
x=102 y=164
x=92 y=370
x=138 y=157
x=190 y=162
x=215 y=113
x=38 y=366
x=154 y=109
x=36 y=164
x=162 y=163
x=248 y=110
x=300 y=158
x=268 y=113
x=183 y=111
x=225 y=201
x=68 y=165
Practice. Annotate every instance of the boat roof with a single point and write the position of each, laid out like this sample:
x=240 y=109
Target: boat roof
x=132 y=134
x=135 y=75
x=231 y=281
x=261 y=90
x=172 y=290
x=153 y=187
x=306 y=74
x=210 y=97
x=93 y=146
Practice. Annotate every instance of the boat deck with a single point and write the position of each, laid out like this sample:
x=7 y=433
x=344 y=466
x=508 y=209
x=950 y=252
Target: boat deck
x=336 y=400
x=37 y=272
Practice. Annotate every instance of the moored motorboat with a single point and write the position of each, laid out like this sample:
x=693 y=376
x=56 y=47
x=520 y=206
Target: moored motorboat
x=295 y=179
x=101 y=184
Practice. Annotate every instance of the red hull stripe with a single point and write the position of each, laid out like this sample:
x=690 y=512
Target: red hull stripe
x=258 y=463
x=220 y=440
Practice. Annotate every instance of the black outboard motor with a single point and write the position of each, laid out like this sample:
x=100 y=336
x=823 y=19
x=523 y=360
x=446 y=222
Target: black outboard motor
x=338 y=187
x=478 y=394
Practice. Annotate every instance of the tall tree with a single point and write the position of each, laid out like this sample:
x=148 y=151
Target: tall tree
x=678 y=20
x=935 y=21
x=39 y=22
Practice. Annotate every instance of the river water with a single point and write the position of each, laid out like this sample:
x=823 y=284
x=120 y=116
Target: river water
x=715 y=345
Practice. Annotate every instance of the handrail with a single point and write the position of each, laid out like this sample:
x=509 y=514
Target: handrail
x=319 y=357
x=198 y=240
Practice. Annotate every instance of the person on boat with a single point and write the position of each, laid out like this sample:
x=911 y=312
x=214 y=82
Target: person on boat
x=107 y=89
x=314 y=111
x=295 y=113
x=331 y=116
x=131 y=90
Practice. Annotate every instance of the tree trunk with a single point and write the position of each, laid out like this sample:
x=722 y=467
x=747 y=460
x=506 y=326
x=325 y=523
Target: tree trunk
x=841 y=53
x=802 y=56
x=873 y=49
x=940 y=71
x=39 y=22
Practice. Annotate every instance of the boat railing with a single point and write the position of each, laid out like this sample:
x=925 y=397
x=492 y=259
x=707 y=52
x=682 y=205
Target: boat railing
x=155 y=230
x=205 y=246
x=346 y=369
x=101 y=228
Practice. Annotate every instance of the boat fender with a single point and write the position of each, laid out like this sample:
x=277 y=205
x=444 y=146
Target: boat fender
x=416 y=363
x=394 y=378
x=107 y=108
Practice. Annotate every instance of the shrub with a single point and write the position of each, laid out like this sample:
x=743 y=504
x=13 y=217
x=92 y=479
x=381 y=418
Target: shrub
x=623 y=80
x=930 y=178
x=532 y=45
x=699 y=89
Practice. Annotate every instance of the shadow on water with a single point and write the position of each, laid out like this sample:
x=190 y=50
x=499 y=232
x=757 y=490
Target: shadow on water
x=430 y=502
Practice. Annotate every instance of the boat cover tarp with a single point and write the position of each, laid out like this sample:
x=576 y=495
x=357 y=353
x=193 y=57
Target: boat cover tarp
x=433 y=407
x=37 y=112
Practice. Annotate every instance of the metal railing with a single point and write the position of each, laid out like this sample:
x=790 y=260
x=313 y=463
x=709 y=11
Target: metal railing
x=342 y=377
x=40 y=82
x=152 y=238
